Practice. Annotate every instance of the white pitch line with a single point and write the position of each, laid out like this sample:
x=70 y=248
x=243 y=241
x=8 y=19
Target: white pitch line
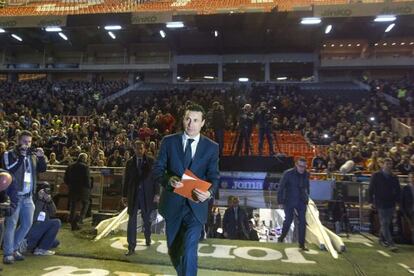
x=404 y=265
x=384 y=253
x=368 y=244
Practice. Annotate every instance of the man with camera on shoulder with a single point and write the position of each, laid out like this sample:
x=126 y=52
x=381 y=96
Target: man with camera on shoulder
x=23 y=163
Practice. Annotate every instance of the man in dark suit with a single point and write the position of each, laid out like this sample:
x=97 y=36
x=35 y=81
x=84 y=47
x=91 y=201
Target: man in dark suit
x=293 y=194
x=235 y=222
x=139 y=192
x=77 y=177
x=384 y=193
x=185 y=218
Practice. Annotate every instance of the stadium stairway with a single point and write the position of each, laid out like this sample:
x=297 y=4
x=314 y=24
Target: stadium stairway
x=121 y=93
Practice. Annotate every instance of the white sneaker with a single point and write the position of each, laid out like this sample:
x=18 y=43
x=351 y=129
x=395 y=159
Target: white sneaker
x=43 y=252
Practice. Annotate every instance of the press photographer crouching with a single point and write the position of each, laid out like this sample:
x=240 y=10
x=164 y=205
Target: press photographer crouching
x=23 y=163
x=42 y=235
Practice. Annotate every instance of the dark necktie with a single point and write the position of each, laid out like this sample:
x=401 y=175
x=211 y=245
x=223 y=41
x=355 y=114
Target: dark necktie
x=187 y=153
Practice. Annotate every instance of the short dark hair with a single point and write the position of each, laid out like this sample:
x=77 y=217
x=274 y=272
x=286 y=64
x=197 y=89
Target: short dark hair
x=195 y=107
x=139 y=143
x=301 y=159
x=25 y=133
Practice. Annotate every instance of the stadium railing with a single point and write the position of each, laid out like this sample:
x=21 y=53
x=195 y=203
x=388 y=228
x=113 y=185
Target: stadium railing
x=107 y=193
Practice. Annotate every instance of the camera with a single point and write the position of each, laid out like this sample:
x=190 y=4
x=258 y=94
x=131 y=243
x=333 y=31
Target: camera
x=5 y=208
x=29 y=151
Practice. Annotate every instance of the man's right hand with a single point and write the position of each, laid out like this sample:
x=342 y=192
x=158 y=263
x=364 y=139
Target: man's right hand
x=124 y=201
x=175 y=182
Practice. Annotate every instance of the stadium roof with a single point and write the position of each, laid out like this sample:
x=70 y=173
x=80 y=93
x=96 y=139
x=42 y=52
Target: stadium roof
x=236 y=33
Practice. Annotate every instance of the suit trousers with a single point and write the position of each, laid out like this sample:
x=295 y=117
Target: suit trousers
x=289 y=212
x=183 y=246
x=385 y=218
x=139 y=203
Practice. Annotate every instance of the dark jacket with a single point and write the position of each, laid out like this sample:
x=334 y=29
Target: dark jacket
x=77 y=177
x=407 y=198
x=384 y=190
x=135 y=177
x=293 y=188
x=13 y=162
x=236 y=229
x=48 y=207
x=170 y=162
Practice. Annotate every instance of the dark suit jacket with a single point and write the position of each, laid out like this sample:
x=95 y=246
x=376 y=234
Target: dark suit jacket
x=236 y=229
x=77 y=177
x=135 y=177
x=293 y=188
x=170 y=163
x=384 y=191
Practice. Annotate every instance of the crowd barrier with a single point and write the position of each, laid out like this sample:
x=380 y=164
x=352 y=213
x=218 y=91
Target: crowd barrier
x=256 y=190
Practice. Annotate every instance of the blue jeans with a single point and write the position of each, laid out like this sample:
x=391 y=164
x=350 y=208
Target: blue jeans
x=42 y=235
x=22 y=214
x=385 y=218
x=184 y=247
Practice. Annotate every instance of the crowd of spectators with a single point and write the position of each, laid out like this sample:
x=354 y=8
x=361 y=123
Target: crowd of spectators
x=65 y=119
x=401 y=89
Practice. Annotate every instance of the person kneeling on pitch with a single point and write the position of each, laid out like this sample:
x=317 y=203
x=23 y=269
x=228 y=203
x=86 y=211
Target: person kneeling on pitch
x=42 y=235
x=293 y=193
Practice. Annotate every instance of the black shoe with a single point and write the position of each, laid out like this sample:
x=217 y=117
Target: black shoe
x=383 y=243
x=148 y=242
x=75 y=226
x=303 y=248
x=393 y=248
x=280 y=239
x=130 y=252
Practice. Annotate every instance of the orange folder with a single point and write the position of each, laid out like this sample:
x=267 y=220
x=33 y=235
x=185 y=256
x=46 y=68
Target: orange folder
x=190 y=182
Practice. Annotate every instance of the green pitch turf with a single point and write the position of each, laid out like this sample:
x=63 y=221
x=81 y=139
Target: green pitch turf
x=217 y=257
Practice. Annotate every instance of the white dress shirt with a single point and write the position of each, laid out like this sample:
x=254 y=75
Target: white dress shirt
x=193 y=144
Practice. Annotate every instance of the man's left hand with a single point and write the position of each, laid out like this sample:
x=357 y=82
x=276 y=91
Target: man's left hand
x=39 y=152
x=200 y=195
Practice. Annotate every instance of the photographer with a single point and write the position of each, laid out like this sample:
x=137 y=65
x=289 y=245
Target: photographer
x=245 y=130
x=42 y=234
x=23 y=163
x=264 y=118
